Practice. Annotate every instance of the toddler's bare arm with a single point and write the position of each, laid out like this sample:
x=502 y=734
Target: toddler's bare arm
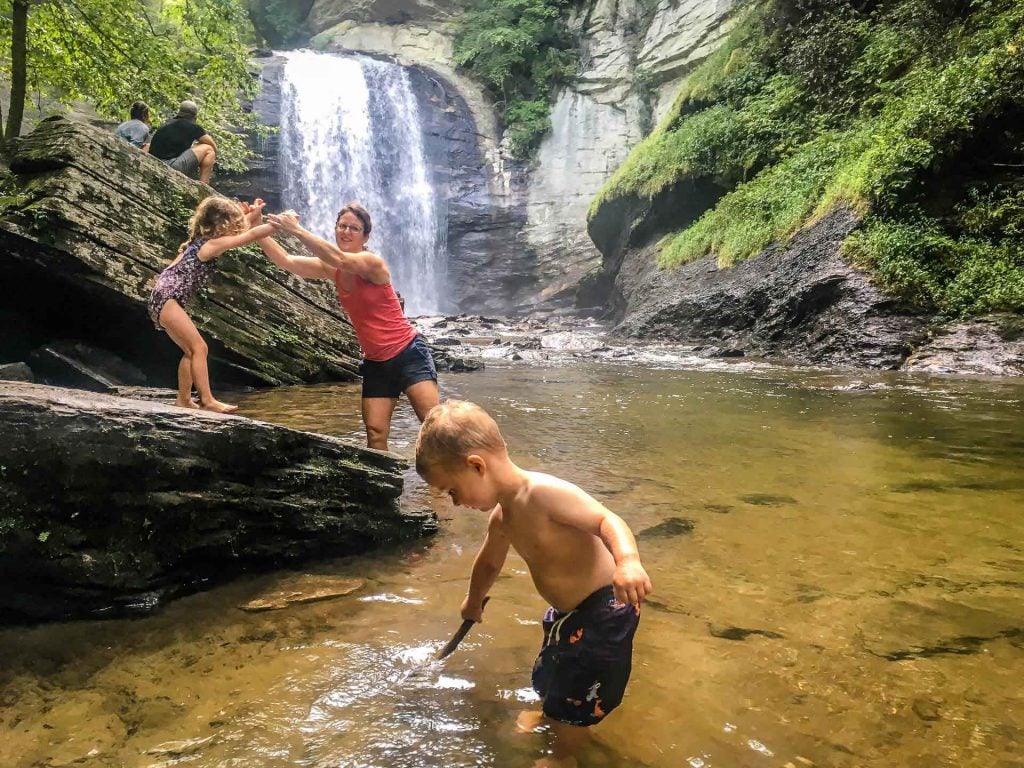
x=486 y=567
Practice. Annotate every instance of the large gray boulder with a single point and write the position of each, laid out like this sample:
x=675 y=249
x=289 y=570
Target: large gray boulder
x=93 y=221
x=801 y=301
x=111 y=504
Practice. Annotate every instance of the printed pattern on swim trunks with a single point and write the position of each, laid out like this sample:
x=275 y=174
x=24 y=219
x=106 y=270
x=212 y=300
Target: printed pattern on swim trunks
x=180 y=281
x=586 y=658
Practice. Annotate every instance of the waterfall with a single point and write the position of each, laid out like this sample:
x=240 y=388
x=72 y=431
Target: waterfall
x=351 y=131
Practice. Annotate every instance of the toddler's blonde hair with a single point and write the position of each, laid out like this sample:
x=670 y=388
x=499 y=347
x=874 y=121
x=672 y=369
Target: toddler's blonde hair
x=452 y=431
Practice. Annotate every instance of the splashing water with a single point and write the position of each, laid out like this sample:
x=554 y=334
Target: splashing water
x=351 y=131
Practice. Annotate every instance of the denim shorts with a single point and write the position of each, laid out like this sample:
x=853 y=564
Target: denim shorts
x=390 y=378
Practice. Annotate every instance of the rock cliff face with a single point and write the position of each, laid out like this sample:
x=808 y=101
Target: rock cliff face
x=166 y=500
x=519 y=239
x=634 y=57
x=801 y=302
x=91 y=223
x=517 y=236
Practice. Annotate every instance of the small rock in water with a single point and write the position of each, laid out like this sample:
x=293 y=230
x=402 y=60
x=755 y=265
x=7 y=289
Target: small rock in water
x=306 y=589
x=741 y=633
x=926 y=710
x=721 y=509
x=673 y=526
x=16 y=372
x=767 y=499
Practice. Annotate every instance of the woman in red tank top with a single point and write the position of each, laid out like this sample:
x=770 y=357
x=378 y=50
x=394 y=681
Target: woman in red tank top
x=395 y=357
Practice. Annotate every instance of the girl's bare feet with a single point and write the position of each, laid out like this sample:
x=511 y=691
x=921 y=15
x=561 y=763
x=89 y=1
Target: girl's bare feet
x=186 y=404
x=218 y=407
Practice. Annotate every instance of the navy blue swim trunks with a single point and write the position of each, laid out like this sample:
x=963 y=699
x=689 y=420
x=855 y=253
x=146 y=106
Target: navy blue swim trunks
x=390 y=378
x=585 y=659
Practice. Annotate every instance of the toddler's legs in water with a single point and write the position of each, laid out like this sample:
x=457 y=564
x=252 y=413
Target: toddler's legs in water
x=193 y=367
x=567 y=740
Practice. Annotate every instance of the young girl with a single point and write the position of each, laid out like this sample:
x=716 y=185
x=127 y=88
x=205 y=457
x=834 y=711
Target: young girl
x=218 y=225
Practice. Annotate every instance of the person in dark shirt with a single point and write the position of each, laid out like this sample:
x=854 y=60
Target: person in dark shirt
x=136 y=131
x=184 y=145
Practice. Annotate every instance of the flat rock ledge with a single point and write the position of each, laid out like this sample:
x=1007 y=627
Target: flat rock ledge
x=113 y=505
x=86 y=228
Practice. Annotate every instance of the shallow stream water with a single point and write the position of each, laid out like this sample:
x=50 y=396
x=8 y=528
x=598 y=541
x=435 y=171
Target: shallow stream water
x=850 y=593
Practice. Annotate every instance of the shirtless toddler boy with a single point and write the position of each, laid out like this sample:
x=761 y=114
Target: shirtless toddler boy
x=583 y=560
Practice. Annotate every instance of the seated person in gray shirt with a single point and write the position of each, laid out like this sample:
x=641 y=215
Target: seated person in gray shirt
x=184 y=145
x=136 y=130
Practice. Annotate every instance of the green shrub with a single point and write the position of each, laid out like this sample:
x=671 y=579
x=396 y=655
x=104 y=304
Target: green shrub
x=813 y=105
x=768 y=208
x=520 y=50
x=920 y=262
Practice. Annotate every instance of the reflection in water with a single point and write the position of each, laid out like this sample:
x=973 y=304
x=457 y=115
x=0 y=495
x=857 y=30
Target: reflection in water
x=837 y=567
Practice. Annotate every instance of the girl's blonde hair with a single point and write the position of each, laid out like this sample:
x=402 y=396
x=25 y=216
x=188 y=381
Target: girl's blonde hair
x=216 y=216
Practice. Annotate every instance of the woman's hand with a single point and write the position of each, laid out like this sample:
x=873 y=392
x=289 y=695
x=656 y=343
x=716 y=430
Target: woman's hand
x=287 y=220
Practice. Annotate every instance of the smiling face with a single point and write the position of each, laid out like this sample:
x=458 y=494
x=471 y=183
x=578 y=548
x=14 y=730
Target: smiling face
x=468 y=486
x=350 y=233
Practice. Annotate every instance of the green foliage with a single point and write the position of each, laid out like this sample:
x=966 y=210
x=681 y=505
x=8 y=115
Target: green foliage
x=813 y=105
x=110 y=54
x=920 y=262
x=770 y=207
x=520 y=50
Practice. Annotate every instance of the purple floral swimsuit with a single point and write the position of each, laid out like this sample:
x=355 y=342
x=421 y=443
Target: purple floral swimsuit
x=180 y=281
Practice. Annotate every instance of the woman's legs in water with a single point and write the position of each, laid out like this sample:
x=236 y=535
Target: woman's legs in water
x=185 y=383
x=183 y=332
x=423 y=395
x=377 y=411
x=377 y=419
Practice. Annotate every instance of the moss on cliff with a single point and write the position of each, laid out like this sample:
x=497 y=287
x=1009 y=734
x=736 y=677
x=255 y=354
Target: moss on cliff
x=907 y=111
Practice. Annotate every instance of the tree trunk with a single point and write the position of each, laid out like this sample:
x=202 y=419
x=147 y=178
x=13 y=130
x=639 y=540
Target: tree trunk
x=19 y=33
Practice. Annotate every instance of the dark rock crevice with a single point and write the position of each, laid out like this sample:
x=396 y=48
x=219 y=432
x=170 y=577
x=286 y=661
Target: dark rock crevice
x=800 y=301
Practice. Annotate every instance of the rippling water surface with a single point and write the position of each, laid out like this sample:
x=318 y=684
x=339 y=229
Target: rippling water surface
x=837 y=563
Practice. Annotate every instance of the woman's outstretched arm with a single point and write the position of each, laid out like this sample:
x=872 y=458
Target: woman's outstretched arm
x=367 y=265
x=303 y=266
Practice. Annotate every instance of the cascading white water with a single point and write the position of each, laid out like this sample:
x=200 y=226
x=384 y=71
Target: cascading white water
x=351 y=131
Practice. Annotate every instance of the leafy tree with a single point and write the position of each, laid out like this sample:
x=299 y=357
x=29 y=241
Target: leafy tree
x=109 y=54
x=521 y=50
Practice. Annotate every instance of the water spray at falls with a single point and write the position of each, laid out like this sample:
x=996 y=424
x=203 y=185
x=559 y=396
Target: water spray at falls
x=351 y=131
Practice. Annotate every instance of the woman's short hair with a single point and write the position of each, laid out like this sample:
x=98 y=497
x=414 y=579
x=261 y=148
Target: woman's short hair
x=360 y=213
x=139 y=110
